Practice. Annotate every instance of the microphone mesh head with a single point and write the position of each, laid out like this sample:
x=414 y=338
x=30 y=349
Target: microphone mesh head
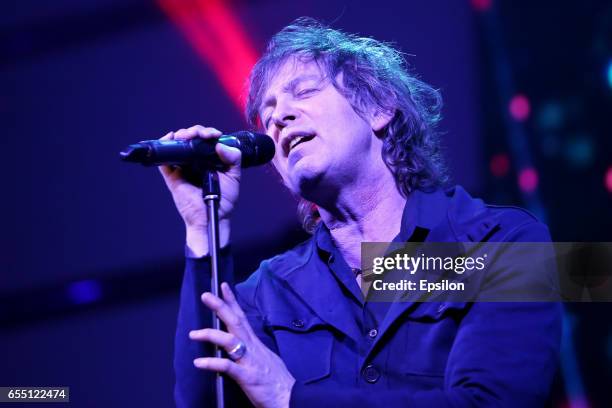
x=256 y=148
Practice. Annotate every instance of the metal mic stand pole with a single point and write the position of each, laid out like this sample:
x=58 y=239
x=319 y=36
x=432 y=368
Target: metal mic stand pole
x=211 y=194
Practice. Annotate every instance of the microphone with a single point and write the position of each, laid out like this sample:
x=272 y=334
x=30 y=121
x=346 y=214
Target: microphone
x=200 y=153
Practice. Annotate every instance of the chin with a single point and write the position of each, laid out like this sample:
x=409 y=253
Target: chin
x=306 y=177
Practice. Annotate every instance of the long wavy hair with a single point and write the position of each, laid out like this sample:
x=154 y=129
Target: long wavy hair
x=375 y=76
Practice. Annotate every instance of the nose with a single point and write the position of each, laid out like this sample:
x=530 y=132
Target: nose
x=284 y=114
x=282 y=121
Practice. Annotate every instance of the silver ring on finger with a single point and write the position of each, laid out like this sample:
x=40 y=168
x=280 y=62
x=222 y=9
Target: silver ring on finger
x=238 y=351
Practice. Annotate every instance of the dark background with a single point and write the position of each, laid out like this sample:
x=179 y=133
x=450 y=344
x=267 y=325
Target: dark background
x=92 y=247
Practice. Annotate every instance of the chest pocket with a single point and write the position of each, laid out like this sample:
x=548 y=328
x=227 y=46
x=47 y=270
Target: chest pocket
x=426 y=336
x=304 y=343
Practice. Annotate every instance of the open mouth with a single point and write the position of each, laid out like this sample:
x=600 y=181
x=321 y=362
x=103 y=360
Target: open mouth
x=299 y=140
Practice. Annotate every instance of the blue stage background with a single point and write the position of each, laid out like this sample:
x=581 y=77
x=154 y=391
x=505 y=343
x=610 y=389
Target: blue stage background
x=93 y=247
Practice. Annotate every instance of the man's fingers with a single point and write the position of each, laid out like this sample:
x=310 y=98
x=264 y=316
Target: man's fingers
x=182 y=134
x=220 y=338
x=222 y=365
x=206 y=132
x=234 y=323
x=197 y=131
x=167 y=136
x=232 y=302
x=171 y=174
x=230 y=299
x=168 y=172
x=228 y=155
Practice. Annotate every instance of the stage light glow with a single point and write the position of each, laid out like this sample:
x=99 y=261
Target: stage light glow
x=578 y=402
x=519 y=107
x=550 y=116
x=608 y=179
x=528 y=180
x=86 y=291
x=579 y=151
x=609 y=73
x=219 y=38
x=499 y=165
x=481 y=5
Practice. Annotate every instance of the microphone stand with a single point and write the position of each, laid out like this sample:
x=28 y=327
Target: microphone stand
x=211 y=194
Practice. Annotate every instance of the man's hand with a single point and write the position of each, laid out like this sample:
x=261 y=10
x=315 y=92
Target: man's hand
x=188 y=198
x=261 y=374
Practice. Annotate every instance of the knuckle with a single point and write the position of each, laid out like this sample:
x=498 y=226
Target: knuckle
x=240 y=314
x=235 y=321
x=249 y=335
x=224 y=365
x=209 y=132
x=228 y=340
x=244 y=320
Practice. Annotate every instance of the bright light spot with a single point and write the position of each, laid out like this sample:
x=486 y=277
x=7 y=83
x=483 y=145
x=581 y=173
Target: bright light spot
x=610 y=73
x=499 y=165
x=519 y=107
x=86 y=291
x=609 y=179
x=528 y=180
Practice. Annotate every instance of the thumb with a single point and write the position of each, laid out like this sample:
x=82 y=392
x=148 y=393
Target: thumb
x=228 y=155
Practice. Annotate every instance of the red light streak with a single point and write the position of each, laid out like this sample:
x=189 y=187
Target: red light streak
x=219 y=38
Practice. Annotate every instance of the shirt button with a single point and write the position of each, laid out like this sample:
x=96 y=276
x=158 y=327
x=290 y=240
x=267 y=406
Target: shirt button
x=299 y=323
x=371 y=374
x=372 y=333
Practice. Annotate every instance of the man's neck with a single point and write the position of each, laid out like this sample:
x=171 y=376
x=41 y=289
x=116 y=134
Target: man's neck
x=371 y=212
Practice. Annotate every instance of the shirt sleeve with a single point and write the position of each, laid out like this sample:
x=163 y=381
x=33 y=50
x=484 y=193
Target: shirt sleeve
x=194 y=387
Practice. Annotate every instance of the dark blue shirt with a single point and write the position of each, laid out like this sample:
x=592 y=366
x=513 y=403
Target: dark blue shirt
x=306 y=306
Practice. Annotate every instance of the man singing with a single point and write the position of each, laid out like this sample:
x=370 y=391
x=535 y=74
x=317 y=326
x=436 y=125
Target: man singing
x=355 y=140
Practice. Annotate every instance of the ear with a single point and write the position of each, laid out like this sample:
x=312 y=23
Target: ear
x=380 y=119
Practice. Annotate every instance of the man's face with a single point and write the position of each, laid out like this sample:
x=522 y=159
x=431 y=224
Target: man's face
x=320 y=140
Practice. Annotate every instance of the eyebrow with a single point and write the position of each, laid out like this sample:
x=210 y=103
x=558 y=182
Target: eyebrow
x=288 y=87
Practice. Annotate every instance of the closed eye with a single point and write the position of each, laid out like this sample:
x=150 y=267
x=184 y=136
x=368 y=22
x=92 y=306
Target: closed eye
x=306 y=92
x=266 y=119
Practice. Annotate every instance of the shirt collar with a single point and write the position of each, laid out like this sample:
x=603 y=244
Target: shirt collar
x=423 y=211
